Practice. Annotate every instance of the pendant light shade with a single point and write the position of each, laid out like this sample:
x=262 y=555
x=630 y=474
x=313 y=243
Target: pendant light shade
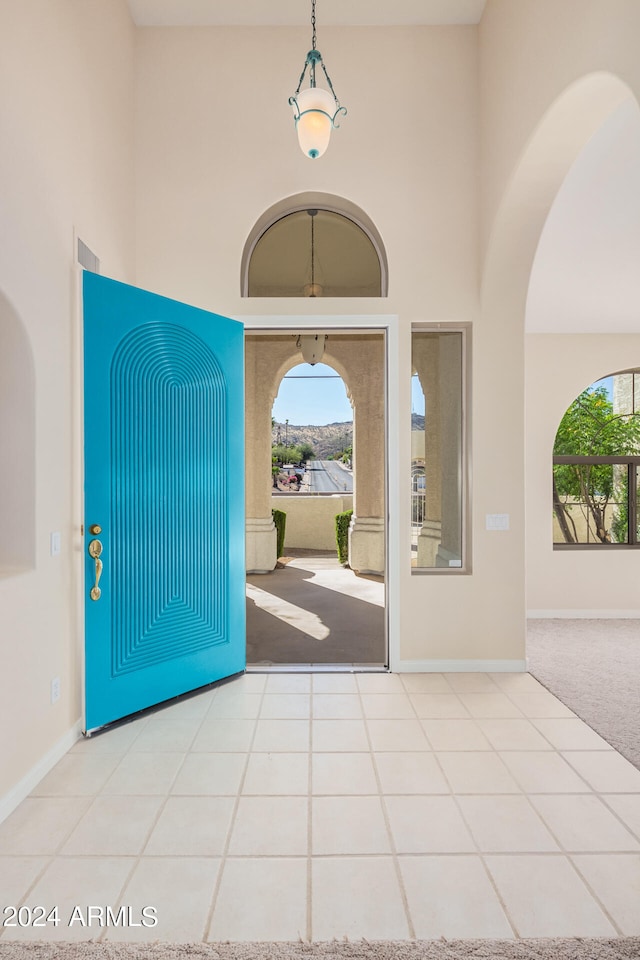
x=315 y=109
x=315 y=121
x=311 y=345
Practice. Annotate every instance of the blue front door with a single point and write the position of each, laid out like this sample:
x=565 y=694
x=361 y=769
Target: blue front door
x=164 y=499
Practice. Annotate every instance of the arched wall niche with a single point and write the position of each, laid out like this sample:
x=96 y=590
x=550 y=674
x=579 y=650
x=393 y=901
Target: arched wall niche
x=17 y=444
x=323 y=202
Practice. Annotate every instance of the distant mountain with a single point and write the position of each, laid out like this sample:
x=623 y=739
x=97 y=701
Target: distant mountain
x=326 y=440
x=417 y=421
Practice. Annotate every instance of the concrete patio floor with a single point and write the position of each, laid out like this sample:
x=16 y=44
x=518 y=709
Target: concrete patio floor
x=311 y=610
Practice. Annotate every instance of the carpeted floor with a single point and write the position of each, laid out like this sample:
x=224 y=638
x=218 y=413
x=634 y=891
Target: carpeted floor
x=593 y=666
x=623 y=949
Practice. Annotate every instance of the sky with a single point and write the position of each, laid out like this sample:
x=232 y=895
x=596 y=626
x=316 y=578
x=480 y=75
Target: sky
x=308 y=397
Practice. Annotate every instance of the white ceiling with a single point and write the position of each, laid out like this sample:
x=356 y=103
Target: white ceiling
x=279 y=13
x=586 y=272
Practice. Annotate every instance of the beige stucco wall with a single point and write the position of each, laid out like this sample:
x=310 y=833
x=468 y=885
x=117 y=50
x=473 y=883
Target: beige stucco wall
x=66 y=115
x=563 y=582
x=311 y=521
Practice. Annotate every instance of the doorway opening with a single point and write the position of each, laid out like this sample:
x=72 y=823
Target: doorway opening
x=316 y=499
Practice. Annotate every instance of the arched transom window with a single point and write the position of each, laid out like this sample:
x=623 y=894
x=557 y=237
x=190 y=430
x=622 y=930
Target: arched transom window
x=315 y=253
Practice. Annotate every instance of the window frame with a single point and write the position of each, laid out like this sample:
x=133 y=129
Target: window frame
x=633 y=464
x=466 y=567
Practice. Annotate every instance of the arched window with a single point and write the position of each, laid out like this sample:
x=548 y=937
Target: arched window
x=596 y=466
x=314 y=246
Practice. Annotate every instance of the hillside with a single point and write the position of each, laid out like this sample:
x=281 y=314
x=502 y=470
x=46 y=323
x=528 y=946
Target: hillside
x=326 y=440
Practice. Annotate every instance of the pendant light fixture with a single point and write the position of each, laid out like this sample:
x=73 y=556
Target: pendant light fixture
x=313 y=289
x=314 y=109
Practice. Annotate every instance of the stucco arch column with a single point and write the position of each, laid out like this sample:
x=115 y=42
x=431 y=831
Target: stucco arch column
x=262 y=358
x=363 y=361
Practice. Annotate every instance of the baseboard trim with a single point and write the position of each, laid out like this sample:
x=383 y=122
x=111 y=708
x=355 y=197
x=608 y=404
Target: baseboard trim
x=23 y=788
x=581 y=614
x=460 y=666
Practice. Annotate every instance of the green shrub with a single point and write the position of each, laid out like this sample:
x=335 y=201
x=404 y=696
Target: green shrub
x=280 y=520
x=342 y=535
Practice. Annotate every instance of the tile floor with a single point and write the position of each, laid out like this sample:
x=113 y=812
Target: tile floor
x=288 y=806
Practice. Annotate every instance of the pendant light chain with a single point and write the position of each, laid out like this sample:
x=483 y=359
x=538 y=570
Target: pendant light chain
x=313 y=24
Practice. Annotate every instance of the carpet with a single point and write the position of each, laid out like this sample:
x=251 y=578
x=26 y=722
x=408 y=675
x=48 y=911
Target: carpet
x=593 y=667
x=627 y=948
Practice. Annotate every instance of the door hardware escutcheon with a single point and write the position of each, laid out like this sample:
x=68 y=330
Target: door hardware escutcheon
x=95 y=549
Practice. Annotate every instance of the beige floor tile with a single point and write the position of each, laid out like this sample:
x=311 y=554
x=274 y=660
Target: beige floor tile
x=490 y=705
x=471 y=682
x=410 y=773
x=191 y=708
x=261 y=900
x=348 y=825
x=277 y=773
x=286 y=706
x=396 y=735
x=338 y=735
x=270 y=826
x=334 y=683
x=166 y=736
x=77 y=775
x=379 y=683
x=222 y=735
x=427 y=825
x=40 y=824
x=425 y=683
x=605 y=770
x=289 y=736
x=455 y=735
x=114 y=826
x=387 y=705
x=250 y=682
x=615 y=880
x=235 y=706
x=545 y=897
x=517 y=682
x=191 y=827
x=76 y=882
x=570 y=734
x=477 y=773
x=336 y=706
x=210 y=774
x=357 y=897
x=584 y=823
x=288 y=683
x=506 y=825
x=438 y=706
x=343 y=773
x=17 y=874
x=452 y=897
x=543 y=771
x=144 y=773
x=181 y=890
x=513 y=735
x=627 y=808
x=113 y=740
x=541 y=704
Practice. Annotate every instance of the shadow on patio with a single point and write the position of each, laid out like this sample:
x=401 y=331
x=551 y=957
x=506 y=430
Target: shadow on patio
x=311 y=610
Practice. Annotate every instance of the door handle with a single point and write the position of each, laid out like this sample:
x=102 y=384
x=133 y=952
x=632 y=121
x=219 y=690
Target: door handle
x=95 y=549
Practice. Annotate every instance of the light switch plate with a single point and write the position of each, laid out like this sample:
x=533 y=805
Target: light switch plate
x=55 y=544
x=497 y=521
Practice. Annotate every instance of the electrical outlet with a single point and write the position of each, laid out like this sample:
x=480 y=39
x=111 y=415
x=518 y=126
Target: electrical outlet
x=55 y=689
